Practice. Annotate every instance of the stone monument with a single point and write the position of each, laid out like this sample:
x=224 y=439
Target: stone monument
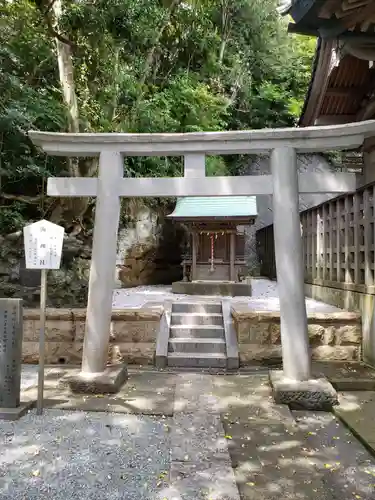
x=11 y=323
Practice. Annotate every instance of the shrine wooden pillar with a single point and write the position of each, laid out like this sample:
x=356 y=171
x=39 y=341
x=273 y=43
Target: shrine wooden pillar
x=194 y=245
x=232 y=257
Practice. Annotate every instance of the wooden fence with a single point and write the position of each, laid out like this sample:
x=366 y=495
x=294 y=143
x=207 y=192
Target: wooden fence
x=338 y=243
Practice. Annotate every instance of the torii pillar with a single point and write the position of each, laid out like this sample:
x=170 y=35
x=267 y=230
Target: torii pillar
x=294 y=385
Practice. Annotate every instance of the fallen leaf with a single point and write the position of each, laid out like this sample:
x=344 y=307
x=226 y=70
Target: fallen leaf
x=36 y=473
x=328 y=466
x=228 y=437
x=250 y=484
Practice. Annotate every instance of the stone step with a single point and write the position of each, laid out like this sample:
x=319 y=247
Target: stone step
x=197 y=307
x=196 y=331
x=196 y=319
x=197 y=345
x=196 y=360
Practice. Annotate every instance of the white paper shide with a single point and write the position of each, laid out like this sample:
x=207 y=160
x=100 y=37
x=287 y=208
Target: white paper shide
x=43 y=242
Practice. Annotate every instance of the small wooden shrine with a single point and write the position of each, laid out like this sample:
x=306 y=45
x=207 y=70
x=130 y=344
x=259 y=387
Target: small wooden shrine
x=214 y=260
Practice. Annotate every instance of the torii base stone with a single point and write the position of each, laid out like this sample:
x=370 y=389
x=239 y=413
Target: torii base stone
x=312 y=394
x=109 y=381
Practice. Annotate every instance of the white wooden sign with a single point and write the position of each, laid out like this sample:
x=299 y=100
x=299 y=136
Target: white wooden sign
x=43 y=242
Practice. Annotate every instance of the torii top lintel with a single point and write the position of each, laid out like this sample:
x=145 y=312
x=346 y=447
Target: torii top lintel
x=303 y=140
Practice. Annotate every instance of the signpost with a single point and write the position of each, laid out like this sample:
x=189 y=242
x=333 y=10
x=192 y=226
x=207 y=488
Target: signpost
x=43 y=243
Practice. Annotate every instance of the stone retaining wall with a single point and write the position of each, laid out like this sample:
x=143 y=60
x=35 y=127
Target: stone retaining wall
x=333 y=336
x=132 y=338
x=355 y=301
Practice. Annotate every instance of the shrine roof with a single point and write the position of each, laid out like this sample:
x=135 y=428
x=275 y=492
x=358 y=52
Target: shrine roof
x=328 y=19
x=193 y=207
x=343 y=77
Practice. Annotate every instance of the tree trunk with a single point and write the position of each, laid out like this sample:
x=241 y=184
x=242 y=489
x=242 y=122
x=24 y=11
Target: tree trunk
x=69 y=210
x=225 y=29
x=66 y=75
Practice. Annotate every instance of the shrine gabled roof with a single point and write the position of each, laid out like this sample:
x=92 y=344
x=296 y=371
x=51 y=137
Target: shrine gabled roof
x=194 y=207
x=331 y=18
x=337 y=92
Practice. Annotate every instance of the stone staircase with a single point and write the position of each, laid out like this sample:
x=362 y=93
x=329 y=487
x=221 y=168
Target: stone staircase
x=196 y=336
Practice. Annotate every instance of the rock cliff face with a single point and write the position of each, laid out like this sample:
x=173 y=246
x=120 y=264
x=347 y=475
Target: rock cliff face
x=149 y=249
x=66 y=286
x=149 y=252
x=261 y=166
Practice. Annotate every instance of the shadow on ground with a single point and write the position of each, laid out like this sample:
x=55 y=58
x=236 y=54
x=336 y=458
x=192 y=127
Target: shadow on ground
x=277 y=454
x=210 y=435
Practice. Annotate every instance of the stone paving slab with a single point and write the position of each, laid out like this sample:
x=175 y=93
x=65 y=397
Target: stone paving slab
x=197 y=437
x=346 y=467
x=73 y=455
x=271 y=484
x=248 y=399
x=200 y=462
x=357 y=411
x=270 y=463
x=254 y=446
x=290 y=455
x=346 y=376
x=147 y=393
x=194 y=393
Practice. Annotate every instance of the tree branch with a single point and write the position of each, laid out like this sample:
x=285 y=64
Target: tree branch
x=60 y=37
x=45 y=11
x=24 y=198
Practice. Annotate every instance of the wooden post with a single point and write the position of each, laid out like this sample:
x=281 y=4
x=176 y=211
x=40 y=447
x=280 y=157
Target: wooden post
x=348 y=274
x=367 y=237
x=354 y=236
x=338 y=241
x=42 y=354
x=309 y=249
x=232 y=256
x=325 y=244
x=319 y=243
x=331 y=240
x=194 y=256
x=314 y=243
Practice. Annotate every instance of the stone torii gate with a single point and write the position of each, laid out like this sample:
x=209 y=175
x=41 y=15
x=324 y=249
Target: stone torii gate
x=284 y=184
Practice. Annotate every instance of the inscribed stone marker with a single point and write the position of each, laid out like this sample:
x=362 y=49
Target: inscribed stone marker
x=11 y=322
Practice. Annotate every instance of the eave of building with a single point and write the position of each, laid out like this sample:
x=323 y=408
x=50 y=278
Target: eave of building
x=338 y=93
x=236 y=208
x=205 y=219
x=333 y=18
x=341 y=84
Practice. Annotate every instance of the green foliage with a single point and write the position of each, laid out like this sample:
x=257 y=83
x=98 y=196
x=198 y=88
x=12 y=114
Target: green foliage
x=142 y=66
x=11 y=218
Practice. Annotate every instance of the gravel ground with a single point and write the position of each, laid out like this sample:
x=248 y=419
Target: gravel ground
x=67 y=455
x=264 y=298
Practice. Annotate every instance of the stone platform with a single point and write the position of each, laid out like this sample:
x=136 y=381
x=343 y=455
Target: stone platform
x=221 y=288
